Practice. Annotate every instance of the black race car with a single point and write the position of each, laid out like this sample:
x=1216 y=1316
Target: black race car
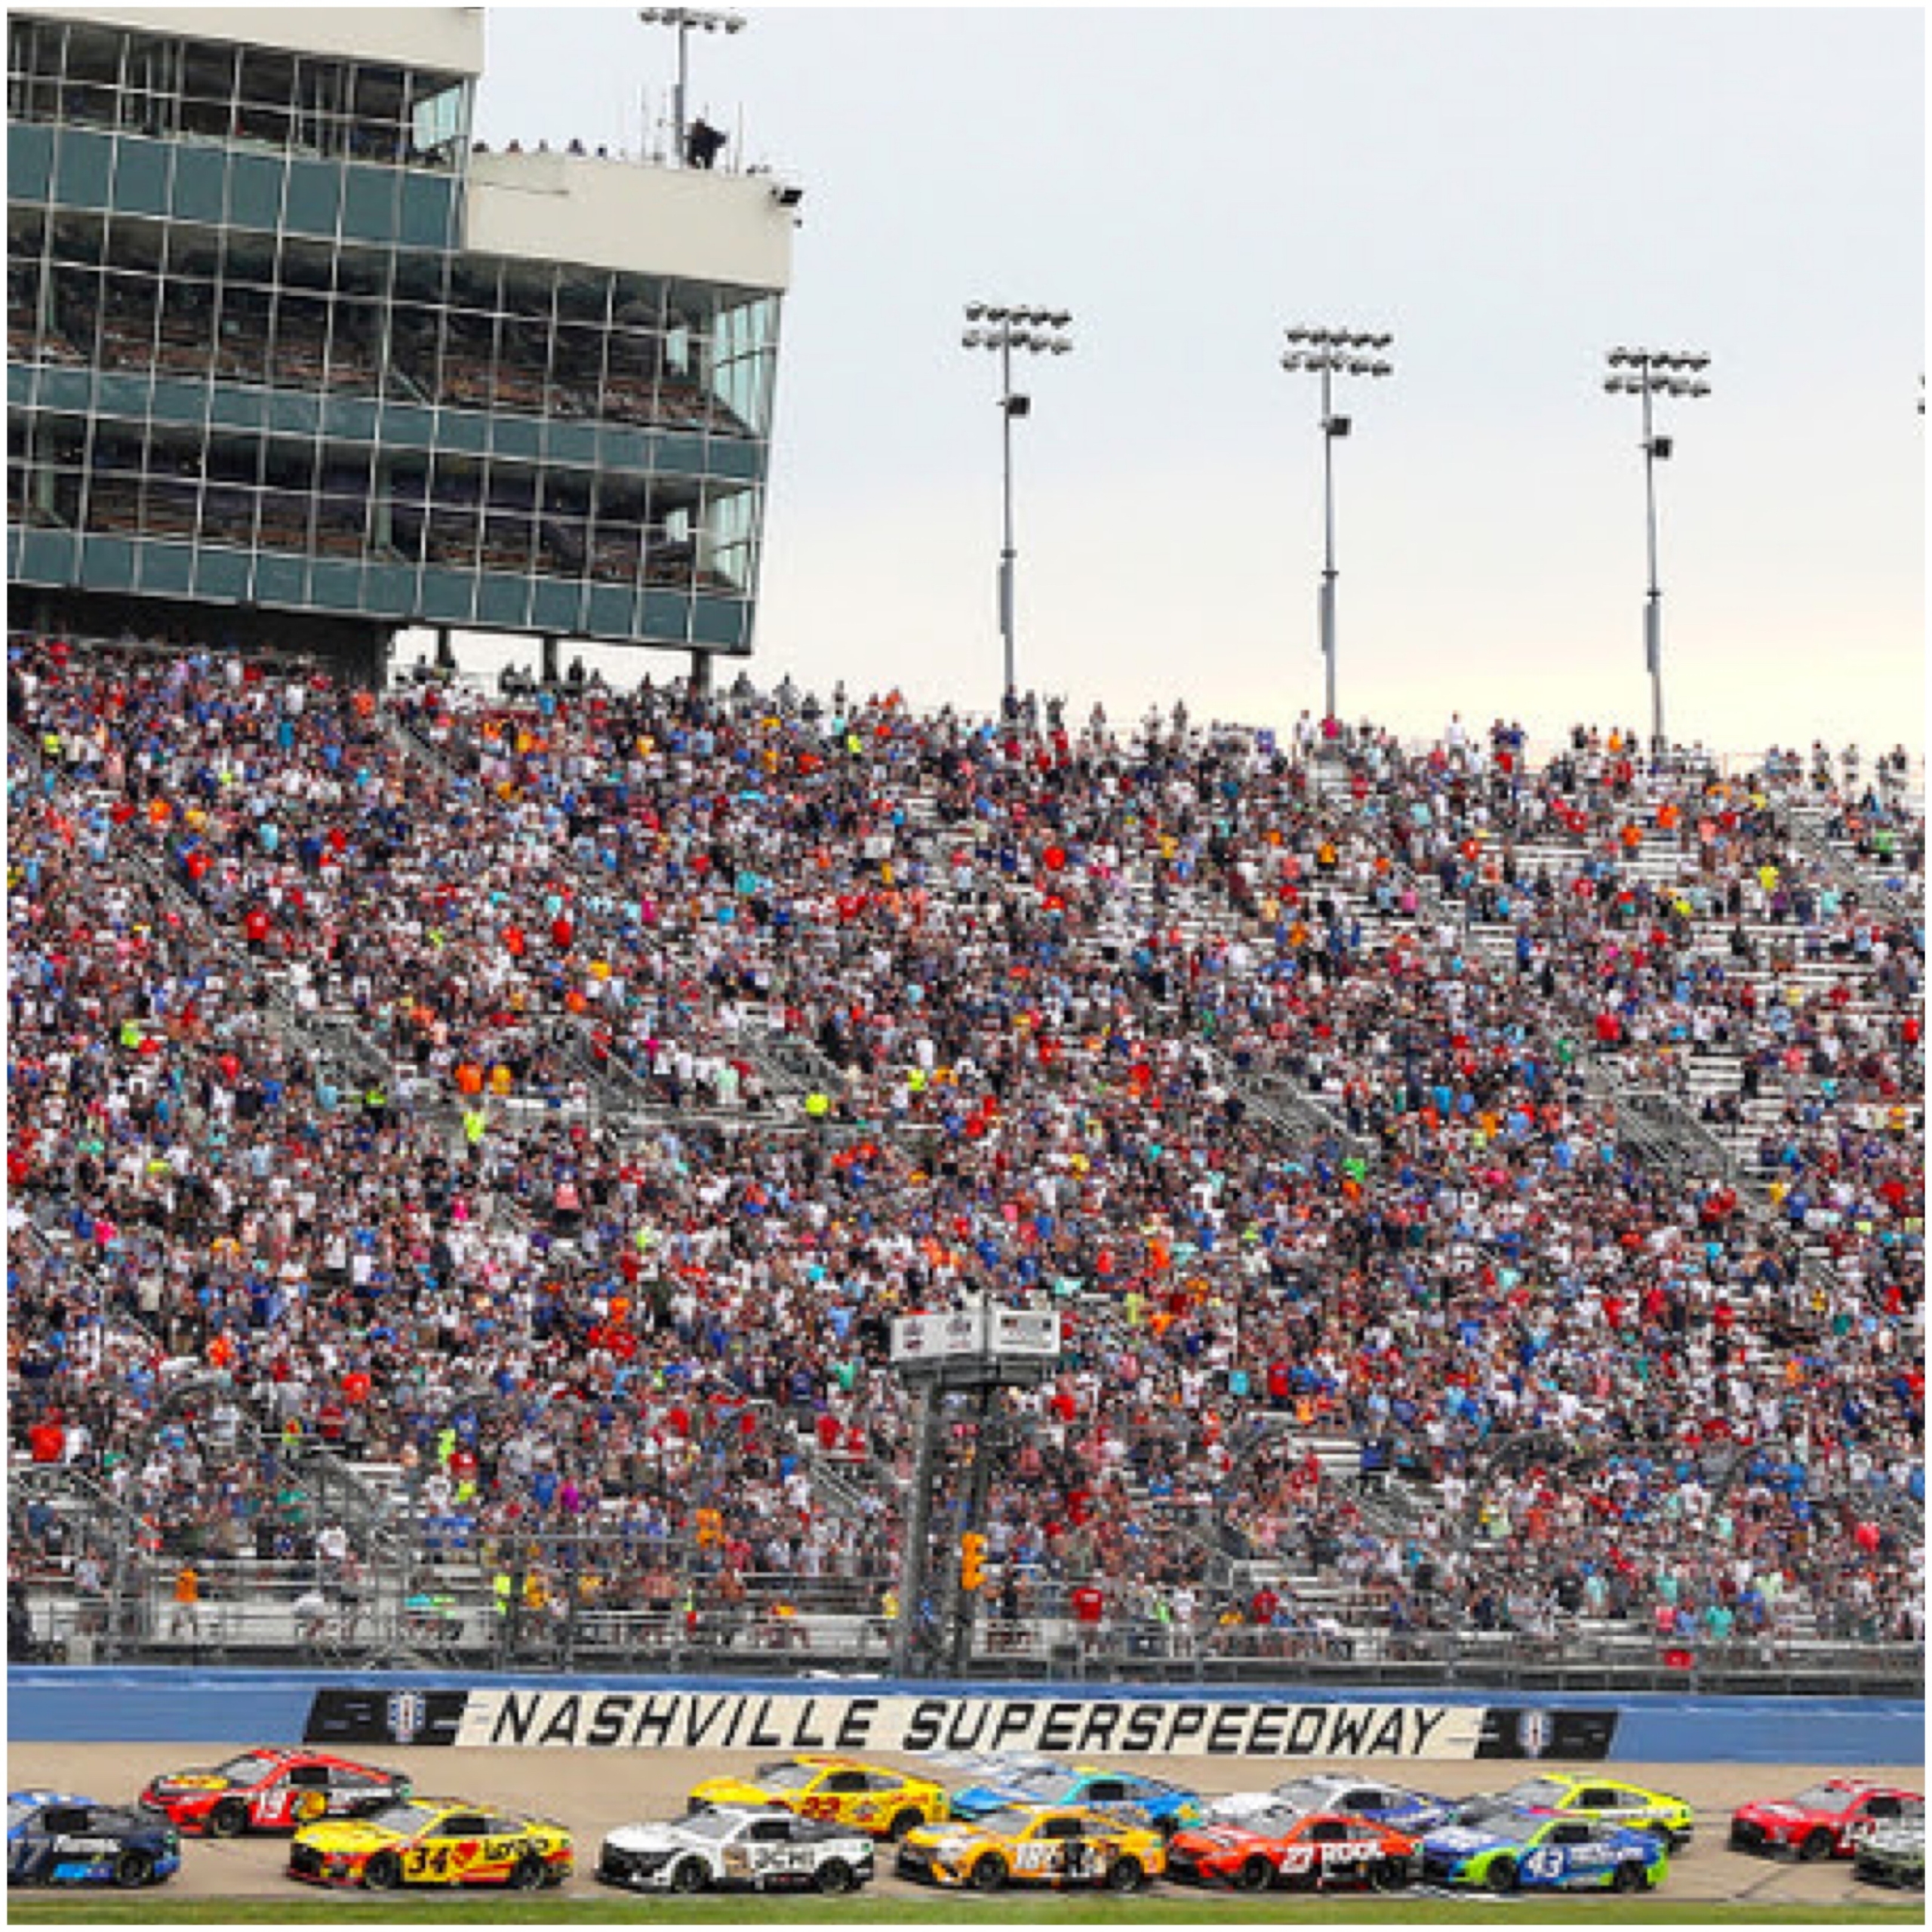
x=55 y=1838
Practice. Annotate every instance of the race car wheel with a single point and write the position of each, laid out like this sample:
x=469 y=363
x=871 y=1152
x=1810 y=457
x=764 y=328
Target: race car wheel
x=990 y=1873
x=1125 y=1875
x=1629 y=1877
x=1256 y=1875
x=229 y=1820
x=907 y=1821
x=688 y=1875
x=834 y=1876
x=132 y=1869
x=1387 y=1874
x=527 y=1875
x=382 y=1872
x=1503 y=1876
x=1815 y=1845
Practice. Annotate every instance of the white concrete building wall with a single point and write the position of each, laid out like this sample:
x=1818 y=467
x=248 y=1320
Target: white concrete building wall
x=685 y=222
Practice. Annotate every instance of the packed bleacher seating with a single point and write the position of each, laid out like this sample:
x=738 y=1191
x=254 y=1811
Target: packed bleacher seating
x=1485 y=1192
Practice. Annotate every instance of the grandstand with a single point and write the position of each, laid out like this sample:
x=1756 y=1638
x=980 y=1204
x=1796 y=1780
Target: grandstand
x=1484 y=1196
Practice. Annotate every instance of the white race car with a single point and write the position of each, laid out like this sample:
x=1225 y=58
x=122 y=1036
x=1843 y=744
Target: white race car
x=737 y=1849
x=1406 y=1809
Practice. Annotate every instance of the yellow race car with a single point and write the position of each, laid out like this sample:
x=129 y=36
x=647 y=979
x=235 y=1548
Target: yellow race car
x=1604 y=1802
x=1036 y=1844
x=836 y=1791
x=433 y=1842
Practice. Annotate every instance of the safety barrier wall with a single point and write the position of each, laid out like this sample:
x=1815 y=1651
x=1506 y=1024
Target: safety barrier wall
x=154 y=1705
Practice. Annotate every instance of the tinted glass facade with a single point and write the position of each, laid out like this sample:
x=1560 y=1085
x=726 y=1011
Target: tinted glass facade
x=248 y=361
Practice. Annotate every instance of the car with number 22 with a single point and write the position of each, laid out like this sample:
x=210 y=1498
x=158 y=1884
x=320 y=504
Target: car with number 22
x=834 y=1791
x=725 y=1849
x=441 y=1841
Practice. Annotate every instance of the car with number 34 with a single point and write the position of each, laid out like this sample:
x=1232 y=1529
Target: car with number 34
x=444 y=1841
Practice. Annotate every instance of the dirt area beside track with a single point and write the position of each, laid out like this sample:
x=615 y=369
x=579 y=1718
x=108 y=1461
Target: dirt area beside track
x=592 y=1792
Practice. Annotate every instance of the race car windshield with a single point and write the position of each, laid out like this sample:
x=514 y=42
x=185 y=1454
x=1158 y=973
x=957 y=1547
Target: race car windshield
x=1041 y=1784
x=1538 y=1793
x=407 y=1819
x=1006 y=1824
x=244 y=1770
x=708 y=1825
x=1274 y=1820
x=785 y=1777
x=1303 y=1794
x=1494 y=1813
x=1822 y=1798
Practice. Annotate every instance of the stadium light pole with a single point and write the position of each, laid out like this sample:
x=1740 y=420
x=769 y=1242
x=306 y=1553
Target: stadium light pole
x=1329 y=353
x=1000 y=330
x=684 y=20
x=1648 y=374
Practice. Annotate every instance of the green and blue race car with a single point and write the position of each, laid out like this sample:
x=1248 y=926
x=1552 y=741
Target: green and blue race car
x=1508 y=1850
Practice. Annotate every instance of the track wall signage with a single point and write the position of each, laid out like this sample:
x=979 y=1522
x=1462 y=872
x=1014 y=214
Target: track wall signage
x=752 y=1721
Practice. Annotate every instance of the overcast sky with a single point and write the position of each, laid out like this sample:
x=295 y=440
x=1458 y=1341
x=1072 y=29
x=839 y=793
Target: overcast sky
x=1510 y=192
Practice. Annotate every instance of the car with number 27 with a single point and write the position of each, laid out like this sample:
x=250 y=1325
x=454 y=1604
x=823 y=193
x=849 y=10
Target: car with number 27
x=55 y=1838
x=441 y=1842
x=1507 y=1851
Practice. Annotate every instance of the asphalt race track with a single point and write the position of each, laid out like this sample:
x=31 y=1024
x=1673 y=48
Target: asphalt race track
x=592 y=1792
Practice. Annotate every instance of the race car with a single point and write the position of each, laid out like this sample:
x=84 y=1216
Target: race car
x=1046 y=1844
x=271 y=1789
x=1894 y=1854
x=725 y=1850
x=1168 y=1806
x=55 y=1838
x=1513 y=1849
x=833 y=1791
x=1825 y=1821
x=1603 y=1801
x=1301 y=1850
x=433 y=1842
x=1396 y=1805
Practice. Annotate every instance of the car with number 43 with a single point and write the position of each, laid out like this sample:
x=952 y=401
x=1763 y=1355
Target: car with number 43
x=1509 y=1850
x=433 y=1842
x=1826 y=1820
x=1297 y=1850
x=1603 y=1801
x=56 y=1838
x=833 y=1791
x=271 y=1789
x=725 y=1850
x=1036 y=1844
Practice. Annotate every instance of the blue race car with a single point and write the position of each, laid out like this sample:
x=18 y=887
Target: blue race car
x=55 y=1838
x=1508 y=1850
x=1166 y=1806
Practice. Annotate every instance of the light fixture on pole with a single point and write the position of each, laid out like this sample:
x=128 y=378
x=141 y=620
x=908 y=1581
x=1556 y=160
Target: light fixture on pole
x=1651 y=372
x=685 y=20
x=1001 y=330
x=1329 y=353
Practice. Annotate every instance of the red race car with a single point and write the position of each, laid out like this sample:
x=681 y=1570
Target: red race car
x=1298 y=1851
x=271 y=1789
x=1827 y=1821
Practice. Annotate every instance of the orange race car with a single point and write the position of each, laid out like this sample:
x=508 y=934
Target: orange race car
x=1297 y=1850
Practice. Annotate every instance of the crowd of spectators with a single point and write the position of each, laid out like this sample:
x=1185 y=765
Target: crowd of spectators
x=700 y=1036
